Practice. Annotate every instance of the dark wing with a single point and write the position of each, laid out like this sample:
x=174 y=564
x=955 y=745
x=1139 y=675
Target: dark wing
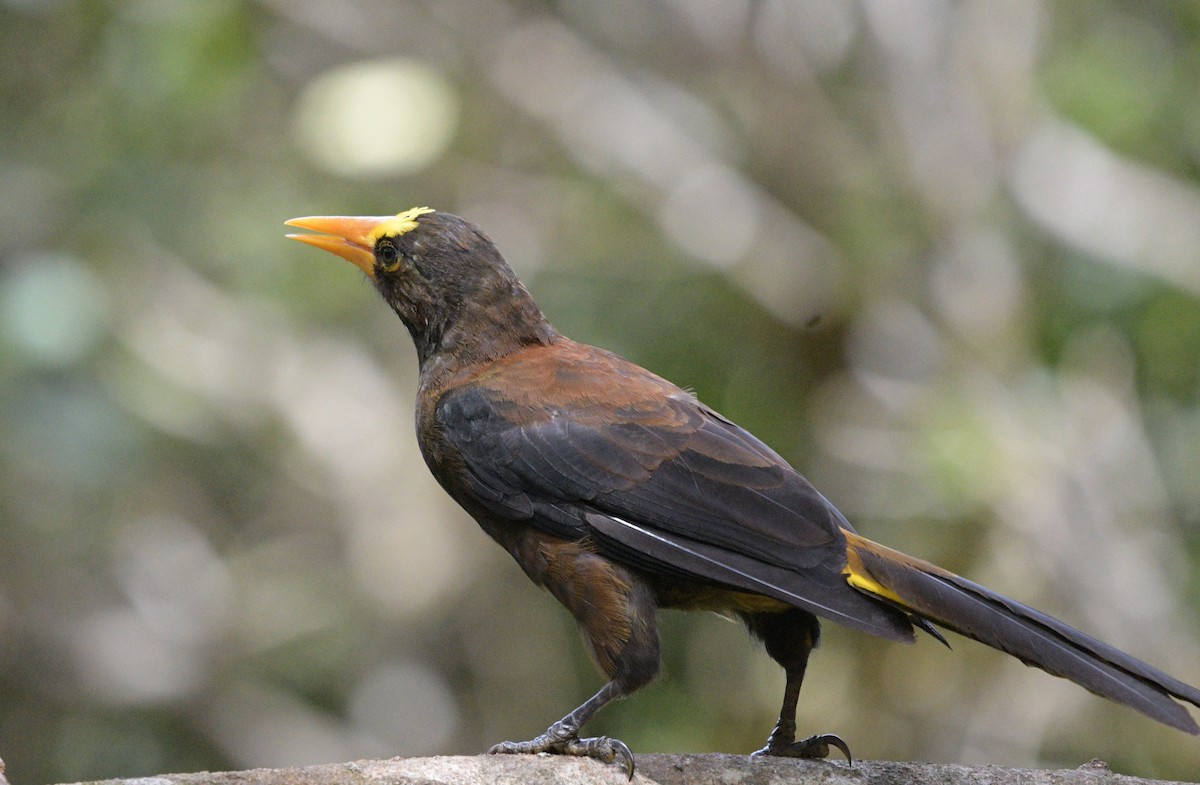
x=665 y=485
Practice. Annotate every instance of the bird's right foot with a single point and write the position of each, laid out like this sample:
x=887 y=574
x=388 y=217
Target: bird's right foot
x=560 y=740
x=812 y=747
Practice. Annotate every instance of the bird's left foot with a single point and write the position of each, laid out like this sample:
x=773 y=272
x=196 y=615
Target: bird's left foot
x=559 y=740
x=812 y=747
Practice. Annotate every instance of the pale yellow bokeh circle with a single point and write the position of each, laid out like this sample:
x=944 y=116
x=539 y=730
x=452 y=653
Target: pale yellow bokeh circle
x=383 y=117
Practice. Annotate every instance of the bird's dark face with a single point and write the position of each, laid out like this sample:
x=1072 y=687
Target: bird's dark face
x=434 y=269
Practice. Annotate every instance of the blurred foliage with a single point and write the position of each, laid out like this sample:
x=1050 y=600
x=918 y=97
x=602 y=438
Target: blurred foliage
x=943 y=256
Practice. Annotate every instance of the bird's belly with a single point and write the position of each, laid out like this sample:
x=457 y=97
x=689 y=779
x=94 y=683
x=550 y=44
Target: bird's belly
x=690 y=596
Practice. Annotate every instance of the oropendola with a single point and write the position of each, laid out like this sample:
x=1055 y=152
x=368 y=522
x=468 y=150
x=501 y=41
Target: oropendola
x=621 y=493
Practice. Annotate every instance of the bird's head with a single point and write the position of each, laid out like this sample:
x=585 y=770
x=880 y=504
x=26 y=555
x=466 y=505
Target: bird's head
x=441 y=275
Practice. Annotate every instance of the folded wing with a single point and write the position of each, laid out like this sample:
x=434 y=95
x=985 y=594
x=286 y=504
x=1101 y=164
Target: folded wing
x=664 y=485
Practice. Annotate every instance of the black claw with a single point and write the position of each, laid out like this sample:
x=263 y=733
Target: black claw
x=625 y=756
x=603 y=749
x=829 y=739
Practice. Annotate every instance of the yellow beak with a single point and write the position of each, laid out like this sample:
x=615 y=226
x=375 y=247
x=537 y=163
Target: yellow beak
x=347 y=236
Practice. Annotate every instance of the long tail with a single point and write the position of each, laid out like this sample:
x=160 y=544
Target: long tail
x=1028 y=634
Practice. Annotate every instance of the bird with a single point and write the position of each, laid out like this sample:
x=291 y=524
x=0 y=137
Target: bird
x=621 y=493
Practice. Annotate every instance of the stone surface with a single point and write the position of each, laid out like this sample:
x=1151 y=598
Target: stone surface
x=707 y=769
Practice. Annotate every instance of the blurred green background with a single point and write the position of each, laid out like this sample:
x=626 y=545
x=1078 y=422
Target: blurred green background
x=943 y=256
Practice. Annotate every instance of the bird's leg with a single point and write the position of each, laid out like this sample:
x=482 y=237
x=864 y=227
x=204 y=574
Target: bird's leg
x=789 y=638
x=617 y=615
x=782 y=741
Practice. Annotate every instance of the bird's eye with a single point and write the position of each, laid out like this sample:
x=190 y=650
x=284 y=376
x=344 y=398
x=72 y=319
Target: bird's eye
x=387 y=255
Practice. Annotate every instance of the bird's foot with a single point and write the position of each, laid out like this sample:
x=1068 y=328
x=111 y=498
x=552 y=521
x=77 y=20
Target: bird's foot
x=562 y=740
x=812 y=747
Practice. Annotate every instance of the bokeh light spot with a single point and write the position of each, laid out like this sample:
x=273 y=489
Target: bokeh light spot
x=712 y=215
x=52 y=307
x=386 y=117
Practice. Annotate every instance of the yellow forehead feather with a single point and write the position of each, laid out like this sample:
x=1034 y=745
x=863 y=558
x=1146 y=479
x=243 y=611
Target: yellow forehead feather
x=402 y=224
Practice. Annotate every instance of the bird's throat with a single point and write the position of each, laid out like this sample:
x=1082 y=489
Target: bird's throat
x=479 y=333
